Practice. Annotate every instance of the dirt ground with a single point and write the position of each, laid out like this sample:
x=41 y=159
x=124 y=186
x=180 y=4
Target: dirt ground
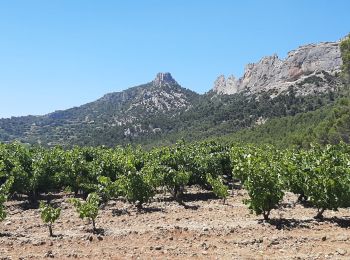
x=206 y=229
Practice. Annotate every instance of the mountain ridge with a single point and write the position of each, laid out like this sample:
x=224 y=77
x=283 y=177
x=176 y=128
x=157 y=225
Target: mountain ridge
x=161 y=111
x=271 y=73
x=162 y=95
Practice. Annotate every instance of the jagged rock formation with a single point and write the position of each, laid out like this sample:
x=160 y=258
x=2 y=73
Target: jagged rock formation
x=229 y=86
x=309 y=68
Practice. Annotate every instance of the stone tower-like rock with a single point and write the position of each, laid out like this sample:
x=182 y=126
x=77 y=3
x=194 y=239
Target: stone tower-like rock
x=164 y=79
x=223 y=86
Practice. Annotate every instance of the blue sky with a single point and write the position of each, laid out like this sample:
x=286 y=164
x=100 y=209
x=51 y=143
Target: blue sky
x=62 y=53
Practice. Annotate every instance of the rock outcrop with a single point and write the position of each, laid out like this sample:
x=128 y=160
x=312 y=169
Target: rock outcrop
x=309 y=68
x=229 y=86
x=164 y=79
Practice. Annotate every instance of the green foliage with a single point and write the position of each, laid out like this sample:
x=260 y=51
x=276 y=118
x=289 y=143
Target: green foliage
x=295 y=171
x=81 y=170
x=209 y=158
x=153 y=172
x=241 y=160
x=345 y=53
x=106 y=188
x=16 y=163
x=319 y=174
x=175 y=168
x=89 y=208
x=4 y=190
x=135 y=188
x=175 y=181
x=336 y=127
x=219 y=189
x=49 y=215
x=263 y=181
x=327 y=182
x=47 y=166
x=328 y=125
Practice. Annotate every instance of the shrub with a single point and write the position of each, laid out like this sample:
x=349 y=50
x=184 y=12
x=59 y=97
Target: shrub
x=219 y=189
x=89 y=208
x=49 y=215
x=263 y=183
x=4 y=190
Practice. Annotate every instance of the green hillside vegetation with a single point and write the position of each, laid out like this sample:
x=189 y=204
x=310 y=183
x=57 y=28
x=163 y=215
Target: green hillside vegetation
x=219 y=115
x=146 y=115
x=345 y=52
x=95 y=123
x=209 y=116
x=329 y=124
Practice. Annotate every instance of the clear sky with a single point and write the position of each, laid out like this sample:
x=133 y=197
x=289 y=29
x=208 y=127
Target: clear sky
x=56 y=54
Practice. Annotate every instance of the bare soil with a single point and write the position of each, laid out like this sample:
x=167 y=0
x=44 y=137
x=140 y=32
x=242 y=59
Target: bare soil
x=206 y=229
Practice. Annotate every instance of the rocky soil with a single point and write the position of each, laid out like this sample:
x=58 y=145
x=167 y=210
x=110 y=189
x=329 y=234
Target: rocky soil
x=207 y=228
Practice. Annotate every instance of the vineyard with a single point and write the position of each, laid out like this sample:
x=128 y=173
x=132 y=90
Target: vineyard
x=93 y=177
x=320 y=175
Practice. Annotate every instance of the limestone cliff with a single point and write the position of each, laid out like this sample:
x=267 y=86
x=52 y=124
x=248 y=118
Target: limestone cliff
x=310 y=68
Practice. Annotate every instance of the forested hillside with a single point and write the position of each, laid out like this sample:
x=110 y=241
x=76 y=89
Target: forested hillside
x=308 y=104
x=328 y=124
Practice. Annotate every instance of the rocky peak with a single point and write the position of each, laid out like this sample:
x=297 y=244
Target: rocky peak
x=162 y=95
x=305 y=64
x=220 y=84
x=164 y=79
x=226 y=86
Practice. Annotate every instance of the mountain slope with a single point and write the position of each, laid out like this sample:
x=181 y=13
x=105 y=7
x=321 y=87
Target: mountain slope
x=328 y=124
x=218 y=115
x=119 y=112
x=161 y=112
